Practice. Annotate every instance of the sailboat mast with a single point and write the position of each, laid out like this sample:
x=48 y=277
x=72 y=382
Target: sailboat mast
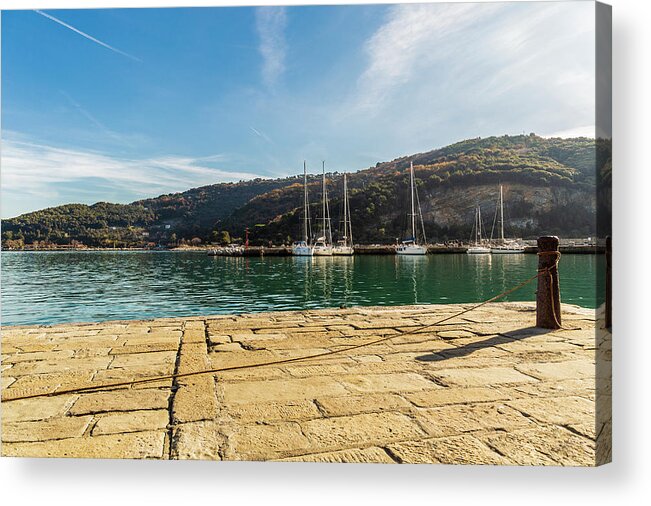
x=413 y=210
x=345 y=214
x=305 y=238
x=327 y=229
x=350 y=225
x=323 y=202
x=478 y=224
x=501 y=215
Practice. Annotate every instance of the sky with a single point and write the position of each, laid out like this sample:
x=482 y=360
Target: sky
x=122 y=104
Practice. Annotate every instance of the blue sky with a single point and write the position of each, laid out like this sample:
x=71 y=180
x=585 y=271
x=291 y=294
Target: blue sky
x=122 y=104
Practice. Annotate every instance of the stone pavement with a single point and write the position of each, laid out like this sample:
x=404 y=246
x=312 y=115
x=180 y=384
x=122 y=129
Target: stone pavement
x=485 y=388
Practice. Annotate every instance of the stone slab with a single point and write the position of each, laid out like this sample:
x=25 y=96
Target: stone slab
x=472 y=377
x=197 y=441
x=40 y=408
x=120 y=400
x=281 y=390
x=357 y=404
x=398 y=382
x=372 y=455
x=268 y=441
x=452 y=395
x=557 y=410
x=364 y=429
x=43 y=430
x=195 y=399
x=131 y=421
x=549 y=445
x=139 y=445
x=453 y=450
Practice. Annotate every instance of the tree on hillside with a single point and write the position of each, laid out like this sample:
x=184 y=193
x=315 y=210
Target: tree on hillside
x=225 y=237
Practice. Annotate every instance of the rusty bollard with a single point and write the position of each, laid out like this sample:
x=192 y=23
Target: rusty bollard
x=609 y=283
x=548 y=296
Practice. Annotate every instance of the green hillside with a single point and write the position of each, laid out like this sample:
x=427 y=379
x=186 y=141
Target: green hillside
x=549 y=188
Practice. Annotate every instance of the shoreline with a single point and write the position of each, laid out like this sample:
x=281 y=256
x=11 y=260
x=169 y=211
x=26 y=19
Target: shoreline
x=286 y=250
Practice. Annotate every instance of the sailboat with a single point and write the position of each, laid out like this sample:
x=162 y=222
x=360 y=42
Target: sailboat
x=323 y=244
x=505 y=246
x=410 y=245
x=478 y=247
x=303 y=248
x=345 y=245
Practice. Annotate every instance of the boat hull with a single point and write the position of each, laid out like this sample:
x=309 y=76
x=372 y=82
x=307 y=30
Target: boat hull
x=507 y=251
x=322 y=251
x=302 y=251
x=411 y=250
x=343 y=251
x=478 y=250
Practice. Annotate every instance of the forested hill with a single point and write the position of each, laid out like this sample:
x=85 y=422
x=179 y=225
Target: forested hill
x=549 y=187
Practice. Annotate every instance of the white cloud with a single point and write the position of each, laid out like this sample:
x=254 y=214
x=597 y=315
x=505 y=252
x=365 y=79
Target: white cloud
x=410 y=38
x=36 y=170
x=436 y=73
x=271 y=23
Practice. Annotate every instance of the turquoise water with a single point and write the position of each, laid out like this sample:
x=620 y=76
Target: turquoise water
x=56 y=287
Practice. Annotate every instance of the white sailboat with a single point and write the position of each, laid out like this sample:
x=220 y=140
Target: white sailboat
x=410 y=245
x=478 y=247
x=345 y=245
x=505 y=246
x=323 y=243
x=303 y=248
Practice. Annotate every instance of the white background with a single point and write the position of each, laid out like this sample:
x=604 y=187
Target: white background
x=625 y=481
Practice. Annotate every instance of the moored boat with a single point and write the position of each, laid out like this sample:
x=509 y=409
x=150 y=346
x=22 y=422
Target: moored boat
x=323 y=243
x=344 y=246
x=478 y=247
x=505 y=246
x=411 y=245
x=478 y=250
x=339 y=250
x=322 y=248
x=303 y=248
x=516 y=248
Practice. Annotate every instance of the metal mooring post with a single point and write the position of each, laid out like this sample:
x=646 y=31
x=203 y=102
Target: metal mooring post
x=609 y=283
x=548 y=296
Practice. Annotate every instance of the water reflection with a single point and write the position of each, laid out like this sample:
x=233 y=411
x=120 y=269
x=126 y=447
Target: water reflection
x=84 y=286
x=411 y=272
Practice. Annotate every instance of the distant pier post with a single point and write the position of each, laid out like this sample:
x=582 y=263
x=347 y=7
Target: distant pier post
x=548 y=296
x=609 y=283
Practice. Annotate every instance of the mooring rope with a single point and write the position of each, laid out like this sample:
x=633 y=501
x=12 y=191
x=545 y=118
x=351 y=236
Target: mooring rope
x=347 y=348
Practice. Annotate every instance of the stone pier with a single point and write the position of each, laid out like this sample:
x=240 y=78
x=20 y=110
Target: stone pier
x=484 y=388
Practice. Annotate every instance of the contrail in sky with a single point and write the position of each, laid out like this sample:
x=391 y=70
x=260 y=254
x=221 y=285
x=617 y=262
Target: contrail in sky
x=261 y=134
x=89 y=37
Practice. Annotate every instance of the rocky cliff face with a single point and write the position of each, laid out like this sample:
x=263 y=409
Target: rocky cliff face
x=525 y=206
